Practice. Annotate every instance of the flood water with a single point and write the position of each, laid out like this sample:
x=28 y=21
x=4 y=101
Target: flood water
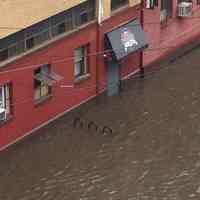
x=153 y=152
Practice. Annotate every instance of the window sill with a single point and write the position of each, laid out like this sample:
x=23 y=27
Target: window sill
x=7 y=120
x=82 y=78
x=42 y=100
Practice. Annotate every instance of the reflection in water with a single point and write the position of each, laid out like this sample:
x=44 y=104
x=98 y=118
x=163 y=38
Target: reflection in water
x=153 y=155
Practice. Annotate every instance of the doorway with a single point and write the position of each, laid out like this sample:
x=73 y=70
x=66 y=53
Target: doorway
x=113 y=78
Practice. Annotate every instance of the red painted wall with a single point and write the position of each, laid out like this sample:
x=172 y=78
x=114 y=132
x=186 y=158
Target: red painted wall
x=166 y=39
x=27 y=115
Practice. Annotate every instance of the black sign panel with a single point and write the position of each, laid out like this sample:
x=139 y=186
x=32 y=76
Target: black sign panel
x=127 y=39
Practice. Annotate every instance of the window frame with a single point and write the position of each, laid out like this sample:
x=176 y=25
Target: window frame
x=32 y=37
x=118 y=5
x=4 y=54
x=5 y=103
x=82 y=61
x=41 y=85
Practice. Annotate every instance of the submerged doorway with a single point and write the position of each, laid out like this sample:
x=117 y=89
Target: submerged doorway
x=113 y=78
x=119 y=43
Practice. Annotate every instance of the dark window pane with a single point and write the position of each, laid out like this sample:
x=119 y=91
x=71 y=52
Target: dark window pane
x=83 y=17
x=167 y=6
x=80 y=61
x=37 y=28
x=118 y=3
x=84 y=12
x=30 y=43
x=61 y=28
x=4 y=55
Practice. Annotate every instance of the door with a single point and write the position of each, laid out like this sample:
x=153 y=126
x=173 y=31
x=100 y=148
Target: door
x=113 y=78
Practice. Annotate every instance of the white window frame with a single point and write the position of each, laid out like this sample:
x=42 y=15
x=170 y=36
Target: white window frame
x=77 y=60
x=2 y=103
x=5 y=103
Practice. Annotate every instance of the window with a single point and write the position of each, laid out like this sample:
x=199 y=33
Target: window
x=83 y=17
x=42 y=31
x=151 y=4
x=30 y=43
x=16 y=49
x=80 y=61
x=166 y=7
x=44 y=78
x=42 y=88
x=4 y=102
x=179 y=1
x=61 y=23
x=36 y=34
x=61 y=28
x=118 y=3
x=84 y=12
x=37 y=39
x=3 y=54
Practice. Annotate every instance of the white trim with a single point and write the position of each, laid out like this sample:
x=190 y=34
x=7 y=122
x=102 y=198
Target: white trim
x=49 y=121
x=3 y=95
x=100 y=12
x=129 y=75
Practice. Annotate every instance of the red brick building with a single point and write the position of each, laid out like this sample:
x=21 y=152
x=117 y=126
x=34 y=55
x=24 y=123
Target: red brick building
x=169 y=24
x=56 y=56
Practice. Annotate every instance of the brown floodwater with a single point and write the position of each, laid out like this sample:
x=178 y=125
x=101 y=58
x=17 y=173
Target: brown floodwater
x=150 y=151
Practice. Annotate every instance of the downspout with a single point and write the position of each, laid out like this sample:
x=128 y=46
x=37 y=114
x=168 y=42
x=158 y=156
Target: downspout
x=98 y=40
x=141 y=53
x=97 y=58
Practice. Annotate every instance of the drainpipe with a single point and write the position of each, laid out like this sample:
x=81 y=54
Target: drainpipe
x=97 y=57
x=98 y=42
x=142 y=24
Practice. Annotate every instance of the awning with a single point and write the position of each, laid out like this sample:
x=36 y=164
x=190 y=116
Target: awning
x=48 y=78
x=127 y=39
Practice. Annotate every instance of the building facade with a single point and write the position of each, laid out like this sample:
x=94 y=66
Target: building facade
x=61 y=54
x=169 y=24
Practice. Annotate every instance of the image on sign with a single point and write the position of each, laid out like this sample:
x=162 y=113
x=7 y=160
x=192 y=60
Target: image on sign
x=128 y=39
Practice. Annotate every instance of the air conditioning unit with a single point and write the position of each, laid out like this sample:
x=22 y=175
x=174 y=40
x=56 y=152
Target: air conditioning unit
x=2 y=114
x=163 y=17
x=184 y=9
